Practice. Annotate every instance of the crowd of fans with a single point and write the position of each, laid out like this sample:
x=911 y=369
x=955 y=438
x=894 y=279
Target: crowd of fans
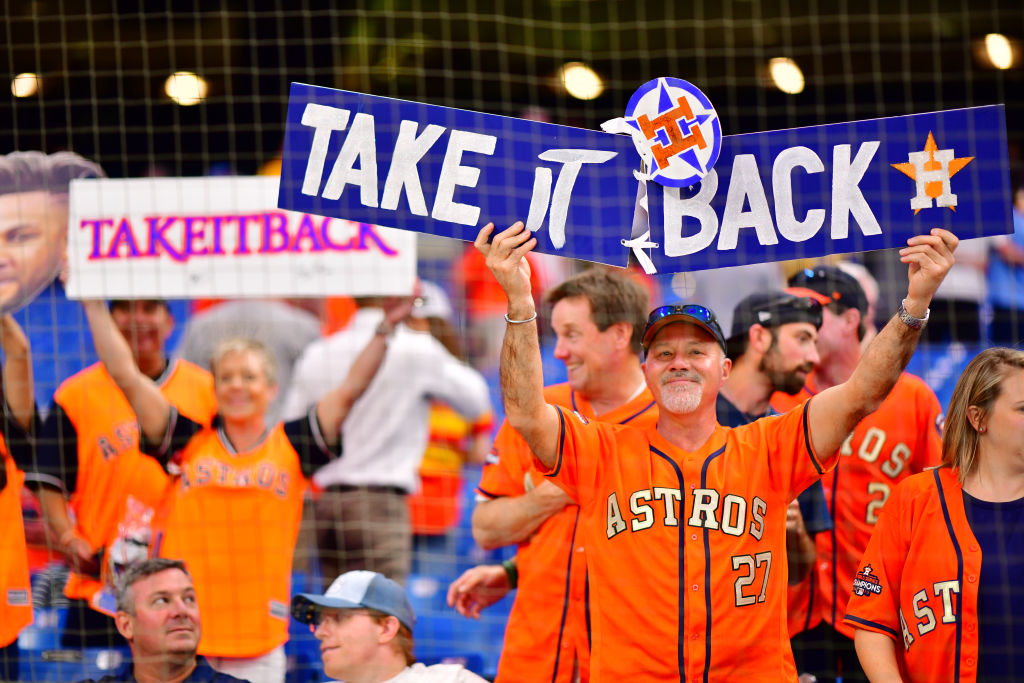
x=167 y=487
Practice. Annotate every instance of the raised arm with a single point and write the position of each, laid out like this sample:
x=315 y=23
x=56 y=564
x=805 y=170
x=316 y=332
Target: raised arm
x=522 y=379
x=334 y=406
x=151 y=408
x=834 y=413
x=17 y=382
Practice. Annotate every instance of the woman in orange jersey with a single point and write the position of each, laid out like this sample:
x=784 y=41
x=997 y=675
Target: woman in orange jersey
x=234 y=514
x=18 y=415
x=939 y=595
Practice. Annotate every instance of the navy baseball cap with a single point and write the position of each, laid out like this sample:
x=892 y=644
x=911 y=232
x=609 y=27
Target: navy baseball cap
x=771 y=309
x=829 y=284
x=357 y=590
x=695 y=314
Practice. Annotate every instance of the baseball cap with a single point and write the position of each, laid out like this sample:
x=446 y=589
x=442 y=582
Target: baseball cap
x=771 y=309
x=695 y=314
x=829 y=284
x=432 y=302
x=354 y=590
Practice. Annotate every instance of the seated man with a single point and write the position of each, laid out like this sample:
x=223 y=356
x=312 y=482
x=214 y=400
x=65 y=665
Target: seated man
x=158 y=615
x=364 y=622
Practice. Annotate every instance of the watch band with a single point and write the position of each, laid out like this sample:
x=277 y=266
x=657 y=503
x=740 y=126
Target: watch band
x=911 y=321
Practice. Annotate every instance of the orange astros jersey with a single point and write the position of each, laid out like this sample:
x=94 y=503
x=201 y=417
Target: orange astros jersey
x=917 y=582
x=234 y=520
x=897 y=440
x=547 y=628
x=686 y=551
x=90 y=445
x=15 y=591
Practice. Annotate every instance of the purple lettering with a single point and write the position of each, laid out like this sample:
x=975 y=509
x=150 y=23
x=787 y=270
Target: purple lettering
x=275 y=223
x=96 y=226
x=195 y=229
x=157 y=239
x=243 y=236
x=123 y=237
x=325 y=235
x=218 y=224
x=369 y=231
x=307 y=231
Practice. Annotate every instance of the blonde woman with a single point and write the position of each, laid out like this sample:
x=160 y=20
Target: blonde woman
x=940 y=592
x=233 y=515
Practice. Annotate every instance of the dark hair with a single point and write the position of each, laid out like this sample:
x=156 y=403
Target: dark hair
x=137 y=572
x=35 y=171
x=614 y=297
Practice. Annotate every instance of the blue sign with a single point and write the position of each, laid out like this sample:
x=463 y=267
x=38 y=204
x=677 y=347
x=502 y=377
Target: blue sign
x=833 y=189
x=449 y=171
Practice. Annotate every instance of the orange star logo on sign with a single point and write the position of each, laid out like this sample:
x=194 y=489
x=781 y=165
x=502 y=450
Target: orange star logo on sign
x=931 y=170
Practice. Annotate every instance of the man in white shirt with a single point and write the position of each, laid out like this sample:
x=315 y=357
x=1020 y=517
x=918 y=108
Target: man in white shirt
x=362 y=516
x=364 y=623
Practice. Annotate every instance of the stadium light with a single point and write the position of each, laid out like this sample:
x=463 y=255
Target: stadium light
x=580 y=81
x=25 y=85
x=186 y=88
x=786 y=75
x=999 y=50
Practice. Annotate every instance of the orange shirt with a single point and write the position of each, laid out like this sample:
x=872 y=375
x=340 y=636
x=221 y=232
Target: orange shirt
x=234 y=519
x=911 y=580
x=434 y=508
x=897 y=440
x=15 y=590
x=115 y=489
x=547 y=628
x=686 y=550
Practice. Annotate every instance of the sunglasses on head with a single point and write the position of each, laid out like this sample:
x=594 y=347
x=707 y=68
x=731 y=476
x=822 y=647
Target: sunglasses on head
x=800 y=303
x=693 y=310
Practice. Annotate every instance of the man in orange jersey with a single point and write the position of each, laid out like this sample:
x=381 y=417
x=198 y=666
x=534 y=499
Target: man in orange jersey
x=18 y=416
x=897 y=440
x=89 y=452
x=684 y=522
x=598 y=318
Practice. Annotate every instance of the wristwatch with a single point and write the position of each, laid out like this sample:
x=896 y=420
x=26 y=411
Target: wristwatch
x=909 y=320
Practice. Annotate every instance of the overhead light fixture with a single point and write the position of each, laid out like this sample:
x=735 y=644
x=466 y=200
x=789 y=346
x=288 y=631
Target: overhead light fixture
x=186 y=88
x=999 y=50
x=786 y=75
x=580 y=81
x=25 y=85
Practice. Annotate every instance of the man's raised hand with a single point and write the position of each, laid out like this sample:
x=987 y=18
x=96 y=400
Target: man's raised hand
x=505 y=256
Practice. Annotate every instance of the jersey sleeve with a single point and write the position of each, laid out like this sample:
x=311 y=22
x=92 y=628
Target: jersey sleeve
x=874 y=602
x=56 y=453
x=306 y=437
x=583 y=449
x=784 y=442
x=506 y=466
x=179 y=432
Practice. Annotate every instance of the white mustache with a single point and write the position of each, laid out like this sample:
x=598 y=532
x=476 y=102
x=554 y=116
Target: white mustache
x=682 y=374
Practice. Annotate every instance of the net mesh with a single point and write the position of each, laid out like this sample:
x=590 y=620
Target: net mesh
x=102 y=67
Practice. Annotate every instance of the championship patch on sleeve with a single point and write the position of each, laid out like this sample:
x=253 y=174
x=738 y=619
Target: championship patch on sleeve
x=940 y=423
x=492 y=457
x=866 y=583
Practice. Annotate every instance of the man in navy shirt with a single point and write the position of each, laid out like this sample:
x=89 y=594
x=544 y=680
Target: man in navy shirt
x=158 y=615
x=772 y=348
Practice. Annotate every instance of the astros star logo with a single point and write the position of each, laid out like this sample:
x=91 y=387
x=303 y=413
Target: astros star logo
x=931 y=170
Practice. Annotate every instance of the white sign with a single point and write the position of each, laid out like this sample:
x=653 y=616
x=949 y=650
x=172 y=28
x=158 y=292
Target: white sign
x=222 y=237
